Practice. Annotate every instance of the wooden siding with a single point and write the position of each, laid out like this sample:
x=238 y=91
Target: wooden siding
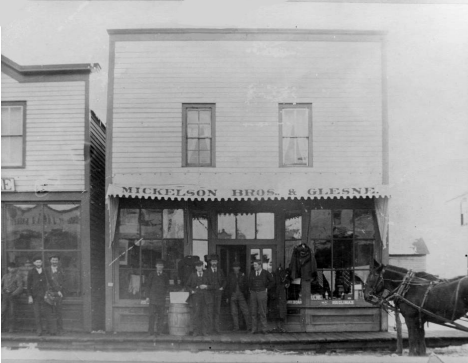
x=55 y=126
x=97 y=216
x=247 y=81
x=415 y=263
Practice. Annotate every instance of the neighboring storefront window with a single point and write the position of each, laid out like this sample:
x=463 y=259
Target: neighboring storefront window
x=343 y=242
x=146 y=235
x=200 y=235
x=44 y=229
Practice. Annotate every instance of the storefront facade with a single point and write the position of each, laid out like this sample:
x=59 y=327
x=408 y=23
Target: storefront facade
x=53 y=154
x=247 y=144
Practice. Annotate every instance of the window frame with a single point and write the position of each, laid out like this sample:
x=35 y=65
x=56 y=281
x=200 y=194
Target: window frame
x=281 y=107
x=23 y=104
x=185 y=108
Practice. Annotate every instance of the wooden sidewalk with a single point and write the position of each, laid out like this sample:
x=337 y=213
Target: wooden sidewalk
x=318 y=342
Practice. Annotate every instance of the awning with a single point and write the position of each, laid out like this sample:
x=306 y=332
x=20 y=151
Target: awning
x=243 y=192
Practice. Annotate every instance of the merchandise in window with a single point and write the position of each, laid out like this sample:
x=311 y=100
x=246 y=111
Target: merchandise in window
x=146 y=235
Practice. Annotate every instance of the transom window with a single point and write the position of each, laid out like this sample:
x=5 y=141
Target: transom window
x=13 y=123
x=295 y=125
x=198 y=123
x=246 y=226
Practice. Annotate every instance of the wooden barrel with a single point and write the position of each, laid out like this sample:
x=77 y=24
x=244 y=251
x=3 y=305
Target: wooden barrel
x=179 y=319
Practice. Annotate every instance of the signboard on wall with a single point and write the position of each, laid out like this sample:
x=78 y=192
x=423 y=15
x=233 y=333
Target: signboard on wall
x=8 y=185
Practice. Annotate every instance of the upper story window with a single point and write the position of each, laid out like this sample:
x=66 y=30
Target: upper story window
x=13 y=134
x=199 y=135
x=295 y=129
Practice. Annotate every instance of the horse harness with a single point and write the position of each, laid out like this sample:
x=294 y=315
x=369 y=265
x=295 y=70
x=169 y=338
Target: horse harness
x=398 y=295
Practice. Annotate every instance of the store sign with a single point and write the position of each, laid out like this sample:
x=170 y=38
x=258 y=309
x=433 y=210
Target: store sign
x=182 y=192
x=8 y=185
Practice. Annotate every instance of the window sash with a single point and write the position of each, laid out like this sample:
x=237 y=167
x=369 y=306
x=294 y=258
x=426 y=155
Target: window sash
x=13 y=134
x=198 y=135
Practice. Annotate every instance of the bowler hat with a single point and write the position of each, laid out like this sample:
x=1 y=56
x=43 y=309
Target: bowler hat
x=198 y=263
x=214 y=257
x=236 y=264
x=160 y=262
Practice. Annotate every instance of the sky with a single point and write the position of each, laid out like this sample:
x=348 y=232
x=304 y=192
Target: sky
x=427 y=58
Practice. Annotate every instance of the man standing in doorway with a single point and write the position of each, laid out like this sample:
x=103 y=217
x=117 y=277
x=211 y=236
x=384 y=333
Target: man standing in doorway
x=156 y=291
x=56 y=279
x=217 y=281
x=259 y=282
x=237 y=289
x=12 y=286
x=37 y=287
x=200 y=298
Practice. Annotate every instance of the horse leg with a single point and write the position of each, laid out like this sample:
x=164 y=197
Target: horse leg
x=421 y=340
x=412 y=336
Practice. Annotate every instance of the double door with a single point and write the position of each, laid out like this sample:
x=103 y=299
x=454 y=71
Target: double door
x=246 y=255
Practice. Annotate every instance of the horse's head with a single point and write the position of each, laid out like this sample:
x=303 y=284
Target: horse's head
x=374 y=284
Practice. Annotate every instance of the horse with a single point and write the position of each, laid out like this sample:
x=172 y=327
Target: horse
x=447 y=299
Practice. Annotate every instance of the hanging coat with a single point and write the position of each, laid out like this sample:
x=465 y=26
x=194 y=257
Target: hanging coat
x=303 y=264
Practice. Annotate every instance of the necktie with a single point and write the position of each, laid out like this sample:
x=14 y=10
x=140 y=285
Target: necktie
x=199 y=274
x=214 y=270
x=159 y=273
x=257 y=273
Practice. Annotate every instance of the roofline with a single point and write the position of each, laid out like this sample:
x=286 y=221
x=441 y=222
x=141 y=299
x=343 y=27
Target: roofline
x=51 y=68
x=243 y=31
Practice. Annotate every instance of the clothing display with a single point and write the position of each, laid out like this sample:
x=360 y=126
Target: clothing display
x=303 y=263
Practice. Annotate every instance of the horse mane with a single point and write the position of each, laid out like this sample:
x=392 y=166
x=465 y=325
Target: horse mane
x=423 y=275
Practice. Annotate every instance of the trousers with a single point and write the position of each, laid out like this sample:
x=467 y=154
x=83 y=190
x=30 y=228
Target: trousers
x=8 y=312
x=156 y=315
x=44 y=310
x=258 y=310
x=238 y=301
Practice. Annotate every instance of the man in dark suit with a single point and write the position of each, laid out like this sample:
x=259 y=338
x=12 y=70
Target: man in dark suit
x=260 y=281
x=37 y=287
x=237 y=290
x=12 y=287
x=156 y=291
x=56 y=279
x=200 y=298
x=217 y=281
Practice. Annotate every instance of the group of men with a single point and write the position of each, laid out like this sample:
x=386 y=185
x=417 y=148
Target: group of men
x=43 y=284
x=207 y=288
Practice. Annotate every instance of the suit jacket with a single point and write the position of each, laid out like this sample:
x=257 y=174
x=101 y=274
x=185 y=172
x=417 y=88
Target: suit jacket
x=156 y=288
x=56 y=280
x=216 y=280
x=267 y=280
x=193 y=286
x=233 y=280
x=37 y=283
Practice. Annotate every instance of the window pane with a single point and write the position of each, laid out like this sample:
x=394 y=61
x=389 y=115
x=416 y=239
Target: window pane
x=200 y=227
x=61 y=226
x=192 y=144
x=254 y=255
x=130 y=283
x=204 y=144
x=192 y=157
x=246 y=226
x=129 y=223
x=205 y=117
x=343 y=283
x=363 y=253
x=70 y=263
x=23 y=226
x=288 y=122
x=267 y=259
x=192 y=116
x=288 y=251
x=343 y=223
x=302 y=122
x=200 y=249
x=293 y=226
x=226 y=226
x=12 y=151
x=320 y=223
x=151 y=223
x=364 y=224
x=295 y=151
x=323 y=253
x=265 y=226
x=192 y=130
x=173 y=220
x=16 y=120
x=6 y=121
x=150 y=252
x=24 y=262
x=342 y=253
x=204 y=130
x=173 y=253
x=205 y=157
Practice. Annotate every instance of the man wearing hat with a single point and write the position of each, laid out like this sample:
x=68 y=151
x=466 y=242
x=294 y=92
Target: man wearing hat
x=156 y=290
x=12 y=287
x=200 y=298
x=237 y=289
x=217 y=281
x=260 y=281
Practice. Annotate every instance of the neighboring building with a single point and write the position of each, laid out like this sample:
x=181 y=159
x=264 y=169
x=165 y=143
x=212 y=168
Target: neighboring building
x=53 y=168
x=248 y=143
x=414 y=259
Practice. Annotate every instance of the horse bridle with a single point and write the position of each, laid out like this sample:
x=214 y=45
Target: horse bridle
x=377 y=285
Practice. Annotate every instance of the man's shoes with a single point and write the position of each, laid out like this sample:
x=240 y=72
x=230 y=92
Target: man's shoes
x=149 y=334
x=235 y=330
x=39 y=333
x=253 y=332
x=195 y=334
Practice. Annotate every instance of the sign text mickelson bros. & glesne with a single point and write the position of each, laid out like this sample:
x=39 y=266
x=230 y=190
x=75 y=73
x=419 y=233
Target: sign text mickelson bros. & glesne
x=242 y=193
